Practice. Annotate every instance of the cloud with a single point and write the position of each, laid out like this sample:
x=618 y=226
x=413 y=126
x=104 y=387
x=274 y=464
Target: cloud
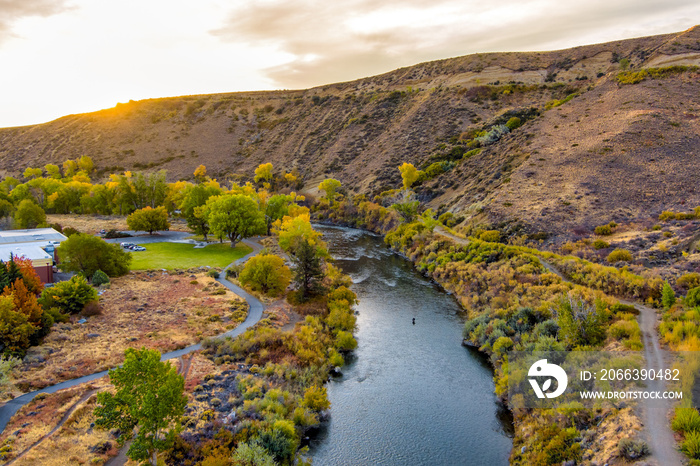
x=13 y=10
x=338 y=41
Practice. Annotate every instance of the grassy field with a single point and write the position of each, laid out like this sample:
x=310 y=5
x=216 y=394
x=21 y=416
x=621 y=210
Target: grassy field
x=183 y=256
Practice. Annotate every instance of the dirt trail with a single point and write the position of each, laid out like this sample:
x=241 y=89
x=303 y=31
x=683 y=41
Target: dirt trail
x=655 y=414
x=63 y=420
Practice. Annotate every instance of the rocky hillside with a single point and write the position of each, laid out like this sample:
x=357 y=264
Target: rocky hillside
x=589 y=150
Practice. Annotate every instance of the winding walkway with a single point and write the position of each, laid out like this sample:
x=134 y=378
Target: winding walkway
x=654 y=412
x=255 y=313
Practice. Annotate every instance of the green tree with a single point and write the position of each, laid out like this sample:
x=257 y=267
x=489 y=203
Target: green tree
x=29 y=215
x=149 y=219
x=192 y=207
x=668 y=296
x=149 y=400
x=87 y=254
x=266 y=273
x=308 y=268
x=235 y=216
x=70 y=296
x=276 y=208
x=31 y=173
x=330 y=186
x=409 y=175
x=69 y=168
x=53 y=171
x=85 y=164
x=15 y=328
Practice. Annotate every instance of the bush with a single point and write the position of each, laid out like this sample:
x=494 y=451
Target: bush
x=111 y=234
x=490 y=236
x=633 y=449
x=603 y=230
x=692 y=299
x=69 y=297
x=686 y=420
x=99 y=278
x=619 y=255
x=92 y=308
x=513 y=123
x=668 y=296
x=267 y=274
x=689 y=280
x=600 y=244
x=691 y=445
x=213 y=274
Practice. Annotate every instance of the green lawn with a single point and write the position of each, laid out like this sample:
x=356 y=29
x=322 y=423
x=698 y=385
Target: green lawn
x=183 y=256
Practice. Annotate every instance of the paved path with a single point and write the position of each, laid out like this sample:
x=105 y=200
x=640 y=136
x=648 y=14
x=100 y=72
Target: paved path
x=255 y=312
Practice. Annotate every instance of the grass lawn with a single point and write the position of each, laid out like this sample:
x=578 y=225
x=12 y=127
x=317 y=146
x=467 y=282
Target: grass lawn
x=183 y=256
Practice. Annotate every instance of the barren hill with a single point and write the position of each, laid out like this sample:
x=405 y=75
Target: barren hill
x=590 y=149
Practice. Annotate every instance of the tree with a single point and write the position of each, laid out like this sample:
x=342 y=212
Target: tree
x=195 y=198
x=252 y=454
x=308 y=270
x=53 y=171
x=149 y=219
x=330 y=186
x=668 y=296
x=409 y=174
x=86 y=164
x=70 y=297
x=200 y=173
x=235 y=216
x=149 y=398
x=86 y=254
x=263 y=173
x=31 y=173
x=292 y=230
x=266 y=273
x=29 y=215
x=15 y=328
x=276 y=208
x=69 y=168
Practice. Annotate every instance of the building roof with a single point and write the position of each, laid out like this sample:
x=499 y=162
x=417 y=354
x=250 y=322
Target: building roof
x=30 y=252
x=30 y=236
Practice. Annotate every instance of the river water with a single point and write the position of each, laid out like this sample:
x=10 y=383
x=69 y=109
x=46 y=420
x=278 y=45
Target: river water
x=412 y=395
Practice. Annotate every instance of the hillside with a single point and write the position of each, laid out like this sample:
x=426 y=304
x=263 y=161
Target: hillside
x=610 y=151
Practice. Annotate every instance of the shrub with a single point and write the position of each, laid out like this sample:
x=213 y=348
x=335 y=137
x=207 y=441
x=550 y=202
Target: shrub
x=92 y=308
x=686 y=420
x=266 y=273
x=513 y=123
x=689 y=280
x=691 y=444
x=600 y=244
x=213 y=274
x=603 y=230
x=315 y=398
x=70 y=296
x=624 y=329
x=692 y=299
x=490 y=236
x=99 y=278
x=633 y=449
x=619 y=255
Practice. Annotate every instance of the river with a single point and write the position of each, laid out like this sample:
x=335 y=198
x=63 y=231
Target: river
x=411 y=395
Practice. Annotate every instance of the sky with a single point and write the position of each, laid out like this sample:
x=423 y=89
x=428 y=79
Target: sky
x=60 y=57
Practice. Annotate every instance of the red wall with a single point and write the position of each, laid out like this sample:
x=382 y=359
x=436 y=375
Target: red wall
x=45 y=273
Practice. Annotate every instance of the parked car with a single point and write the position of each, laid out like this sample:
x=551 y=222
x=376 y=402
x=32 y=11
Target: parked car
x=138 y=248
x=127 y=245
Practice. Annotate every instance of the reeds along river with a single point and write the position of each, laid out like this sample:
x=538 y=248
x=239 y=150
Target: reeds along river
x=412 y=395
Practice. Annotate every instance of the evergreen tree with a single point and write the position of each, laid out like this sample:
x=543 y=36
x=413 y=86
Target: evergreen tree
x=308 y=268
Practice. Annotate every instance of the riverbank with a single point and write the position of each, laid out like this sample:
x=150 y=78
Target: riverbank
x=491 y=282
